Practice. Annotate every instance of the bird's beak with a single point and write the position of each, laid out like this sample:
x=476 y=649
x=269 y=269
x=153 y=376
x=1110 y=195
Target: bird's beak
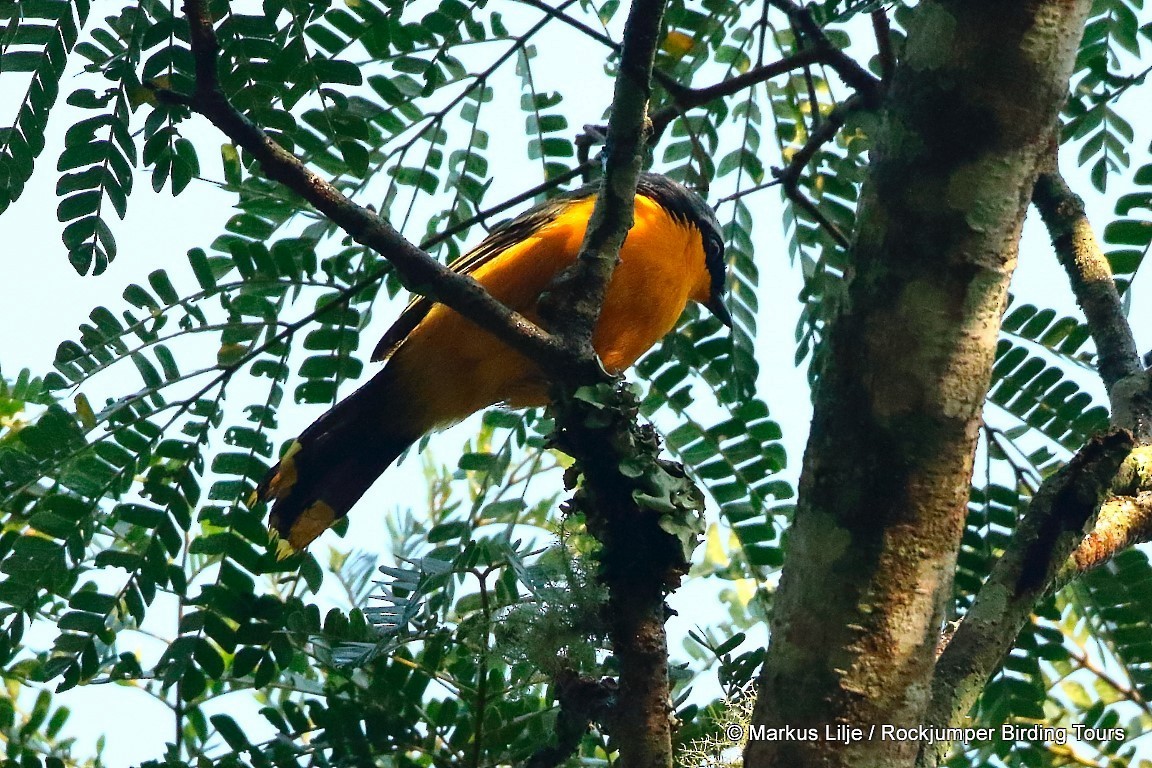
x=716 y=307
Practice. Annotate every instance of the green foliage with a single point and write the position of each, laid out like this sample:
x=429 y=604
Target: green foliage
x=1111 y=37
x=1038 y=392
x=37 y=39
x=31 y=733
x=1114 y=600
x=738 y=458
x=992 y=514
x=819 y=213
x=126 y=472
x=1131 y=234
x=541 y=119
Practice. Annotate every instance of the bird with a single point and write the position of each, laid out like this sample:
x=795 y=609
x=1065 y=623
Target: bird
x=441 y=367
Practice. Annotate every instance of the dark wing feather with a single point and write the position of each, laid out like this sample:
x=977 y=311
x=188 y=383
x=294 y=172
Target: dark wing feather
x=503 y=236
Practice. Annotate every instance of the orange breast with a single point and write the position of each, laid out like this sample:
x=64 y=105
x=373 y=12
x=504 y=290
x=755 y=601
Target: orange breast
x=449 y=368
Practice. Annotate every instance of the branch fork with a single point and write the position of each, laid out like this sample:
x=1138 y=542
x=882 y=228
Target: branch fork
x=1097 y=505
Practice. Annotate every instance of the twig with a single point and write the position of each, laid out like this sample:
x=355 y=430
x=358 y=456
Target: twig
x=883 y=32
x=559 y=15
x=632 y=515
x=687 y=98
x=809 y=81
x=820 y=51
x=799 y=198
x=499 y=208
x=1127 y=690
x=747 y=191
x=849 y=70
x=1128 y=385
x=827 y=131
x=684 y=98
x=789 y=177
x=667 y=81
x=1046 y=537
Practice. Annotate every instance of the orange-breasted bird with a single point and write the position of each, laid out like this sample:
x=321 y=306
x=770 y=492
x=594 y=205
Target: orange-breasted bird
x=442 y=367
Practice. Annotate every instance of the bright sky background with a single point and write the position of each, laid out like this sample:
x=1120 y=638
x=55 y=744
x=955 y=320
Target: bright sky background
x=46 y=301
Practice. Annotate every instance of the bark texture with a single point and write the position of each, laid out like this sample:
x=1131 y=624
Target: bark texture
x=1044 y=540
x=1128 y=384
x=884 y=487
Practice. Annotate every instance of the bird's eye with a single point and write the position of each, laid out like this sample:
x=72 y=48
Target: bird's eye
x=714 y=245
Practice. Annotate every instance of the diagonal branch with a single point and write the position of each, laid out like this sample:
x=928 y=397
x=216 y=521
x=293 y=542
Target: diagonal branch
x=416 y=270
x=579 y=291
x=1106 y=487
x=684 y=98
x=1124 y=522
x=883 y=32
x=850 y=71
x=523 y=197
x=827 y=131
x=789 y=177
x=1046 y=537
x=1128 y=384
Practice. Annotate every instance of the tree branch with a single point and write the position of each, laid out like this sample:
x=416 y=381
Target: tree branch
x=416 y=270
x=685 y=98
x=583 y=701
x=1124 y=522
x=574 y=300
x=1050 y=547
x=854 y=76
x=1128 y=385
x=1048 y=535
x=883 y=32
x=789 y=177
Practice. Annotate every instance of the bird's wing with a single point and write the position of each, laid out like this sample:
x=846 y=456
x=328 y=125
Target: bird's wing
x=503 y=236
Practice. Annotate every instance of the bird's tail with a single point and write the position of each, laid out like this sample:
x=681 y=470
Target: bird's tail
x=331 y=464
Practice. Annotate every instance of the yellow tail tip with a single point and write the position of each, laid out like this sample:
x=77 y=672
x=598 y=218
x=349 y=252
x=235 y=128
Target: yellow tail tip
x=284 y=550
x=309 y=524
x=282 y=479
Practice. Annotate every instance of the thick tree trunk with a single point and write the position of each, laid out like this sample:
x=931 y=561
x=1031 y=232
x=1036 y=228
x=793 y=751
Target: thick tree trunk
x=886 y=474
